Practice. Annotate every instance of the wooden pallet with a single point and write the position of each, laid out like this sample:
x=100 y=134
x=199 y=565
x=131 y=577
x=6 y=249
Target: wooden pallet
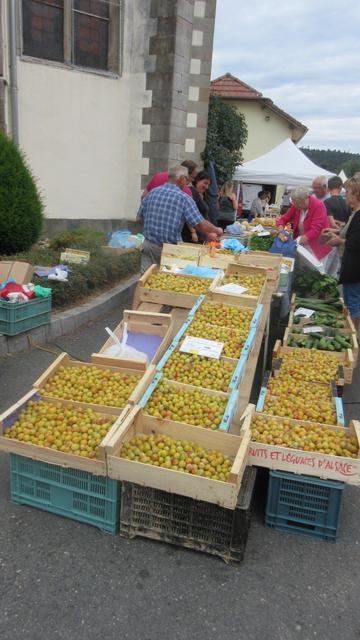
x=310 y=463
x=224 y=494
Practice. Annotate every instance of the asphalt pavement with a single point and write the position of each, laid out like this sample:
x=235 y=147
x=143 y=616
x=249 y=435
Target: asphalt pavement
x=60 y=579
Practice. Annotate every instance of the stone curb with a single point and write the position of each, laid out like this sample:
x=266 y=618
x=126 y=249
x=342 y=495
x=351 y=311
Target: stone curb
x=67 y=321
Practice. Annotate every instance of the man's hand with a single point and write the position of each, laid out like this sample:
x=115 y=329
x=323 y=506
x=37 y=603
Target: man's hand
x=219 y=232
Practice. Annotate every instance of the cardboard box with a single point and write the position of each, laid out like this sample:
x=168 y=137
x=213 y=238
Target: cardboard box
x=22 y=272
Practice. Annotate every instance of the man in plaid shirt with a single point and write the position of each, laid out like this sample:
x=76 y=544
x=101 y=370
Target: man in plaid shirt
x=164 y=212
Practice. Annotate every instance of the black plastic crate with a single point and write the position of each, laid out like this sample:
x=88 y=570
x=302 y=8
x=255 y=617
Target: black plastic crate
x=185 y=522
x=304 y=504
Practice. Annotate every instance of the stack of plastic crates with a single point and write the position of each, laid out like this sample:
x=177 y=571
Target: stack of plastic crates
x=71 y=493
x=185 y=522
x=304 y=504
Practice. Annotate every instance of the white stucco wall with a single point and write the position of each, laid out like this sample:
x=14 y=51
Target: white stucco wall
x=82 y=132
x=263 y=135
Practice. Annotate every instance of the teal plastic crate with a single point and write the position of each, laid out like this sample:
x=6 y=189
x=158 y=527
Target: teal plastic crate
x=71 y=493
x=22 y=316
x=304 y=504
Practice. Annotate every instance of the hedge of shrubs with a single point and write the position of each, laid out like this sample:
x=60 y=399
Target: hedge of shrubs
x=102 y=272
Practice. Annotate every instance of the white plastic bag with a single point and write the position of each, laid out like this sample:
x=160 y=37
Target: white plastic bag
x=123 y=350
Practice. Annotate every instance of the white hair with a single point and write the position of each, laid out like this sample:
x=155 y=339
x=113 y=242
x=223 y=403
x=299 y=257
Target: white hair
x=321 y=180
x=299 y=194
x=177 y=172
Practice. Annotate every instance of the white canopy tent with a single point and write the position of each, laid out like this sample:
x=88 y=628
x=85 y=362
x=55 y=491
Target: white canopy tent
x=343 y=175
x=285 y=164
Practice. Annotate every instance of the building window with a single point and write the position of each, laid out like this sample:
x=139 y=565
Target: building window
x=43 y=29
x=84 y=33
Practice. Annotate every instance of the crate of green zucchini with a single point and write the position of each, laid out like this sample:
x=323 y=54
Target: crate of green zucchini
x=325 y=313
x=327 y=330
x=322 y=340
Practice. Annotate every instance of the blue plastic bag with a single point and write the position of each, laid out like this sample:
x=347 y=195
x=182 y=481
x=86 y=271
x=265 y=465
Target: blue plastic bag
x=286 y=247
x=234 y=245
x=122 y=240
x=201 y=272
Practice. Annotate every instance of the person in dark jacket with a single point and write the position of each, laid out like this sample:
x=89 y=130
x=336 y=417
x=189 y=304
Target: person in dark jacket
x=200 y=185
x=349 y=239
x=227 y=205
x=338 y=210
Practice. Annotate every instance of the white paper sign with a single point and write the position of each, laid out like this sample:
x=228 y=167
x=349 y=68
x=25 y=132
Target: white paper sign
x=313 y=329
x=231 y=287
x=202 y=347
x=261 y=234
x=258 y=228
x=303 y=311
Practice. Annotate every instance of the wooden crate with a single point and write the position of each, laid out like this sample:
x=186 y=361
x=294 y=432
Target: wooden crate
x=338 y=408
x=180 y=254
x=233 y=361
x=158 y=296
x=239 y=269
x=349 y=325
x=139 y=322
x=97 y=466
x=243 y=298
x=63 y=360
x=309 y=463
x=199 y=488
x=229 y=398
x=345 y=358
x=212 y=258
x=270 y=261
x=354 y=349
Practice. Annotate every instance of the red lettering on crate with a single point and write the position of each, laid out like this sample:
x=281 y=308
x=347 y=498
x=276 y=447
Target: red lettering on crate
x=258 y=453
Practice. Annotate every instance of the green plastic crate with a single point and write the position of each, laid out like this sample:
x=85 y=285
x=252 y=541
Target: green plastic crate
x=304 y=504
x=71 y=493
x=23 y=316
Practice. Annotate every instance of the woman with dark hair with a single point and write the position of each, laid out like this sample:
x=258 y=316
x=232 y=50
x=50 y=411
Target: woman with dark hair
x=200 y=184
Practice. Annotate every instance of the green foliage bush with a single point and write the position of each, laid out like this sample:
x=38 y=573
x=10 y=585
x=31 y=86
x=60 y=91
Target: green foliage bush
x=85 y=239
x=21 y=208
x=99 y=274
x=226 y=136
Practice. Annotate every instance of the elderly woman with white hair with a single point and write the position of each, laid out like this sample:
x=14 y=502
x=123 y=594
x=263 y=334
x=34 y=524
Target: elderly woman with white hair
x=308 y=217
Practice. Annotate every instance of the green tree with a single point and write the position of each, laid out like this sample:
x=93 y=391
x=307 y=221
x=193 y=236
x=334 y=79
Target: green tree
x=21 y=208
x=226 y=137
x=351 y=166
x=331 y=159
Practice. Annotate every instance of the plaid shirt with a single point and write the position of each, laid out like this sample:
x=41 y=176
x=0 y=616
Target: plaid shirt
x=165 y=211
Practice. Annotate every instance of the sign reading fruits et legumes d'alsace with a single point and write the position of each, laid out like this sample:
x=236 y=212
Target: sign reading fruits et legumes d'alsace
x=302 y=462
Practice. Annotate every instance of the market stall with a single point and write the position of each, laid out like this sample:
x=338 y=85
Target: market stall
x=164 y=444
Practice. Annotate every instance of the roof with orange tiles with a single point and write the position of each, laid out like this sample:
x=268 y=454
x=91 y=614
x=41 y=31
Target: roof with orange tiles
x=230 y=87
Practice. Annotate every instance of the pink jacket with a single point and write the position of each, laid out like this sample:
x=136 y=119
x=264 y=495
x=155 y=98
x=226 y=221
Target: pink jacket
x=316 y=220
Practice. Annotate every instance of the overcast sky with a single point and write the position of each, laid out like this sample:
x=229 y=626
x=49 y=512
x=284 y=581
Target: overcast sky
x=303 y=55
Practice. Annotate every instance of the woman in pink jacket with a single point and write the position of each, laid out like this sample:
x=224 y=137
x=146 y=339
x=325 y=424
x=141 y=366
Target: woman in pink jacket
x=309 y=217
